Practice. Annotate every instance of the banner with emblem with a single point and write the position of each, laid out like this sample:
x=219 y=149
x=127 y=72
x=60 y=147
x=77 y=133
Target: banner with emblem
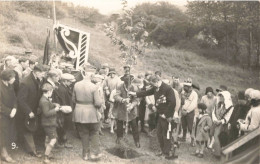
x=74 y=42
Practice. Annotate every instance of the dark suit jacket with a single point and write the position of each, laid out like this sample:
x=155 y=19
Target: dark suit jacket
x=166 y=91
x=29 y=95
x=63 y=95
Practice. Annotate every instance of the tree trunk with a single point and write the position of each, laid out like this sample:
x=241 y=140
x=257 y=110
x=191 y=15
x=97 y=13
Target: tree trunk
x=236 y=45
x=249 y=48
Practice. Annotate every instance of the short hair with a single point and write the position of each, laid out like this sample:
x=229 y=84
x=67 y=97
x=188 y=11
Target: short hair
x=7 y=74
x=47 y=87
x=154 y=78
x=38 y=68
x=31 y=62
x=22 y=60
x=159 y=73
x=53 y=73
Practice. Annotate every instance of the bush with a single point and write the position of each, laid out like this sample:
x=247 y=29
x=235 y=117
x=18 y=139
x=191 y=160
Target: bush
x=15 y=39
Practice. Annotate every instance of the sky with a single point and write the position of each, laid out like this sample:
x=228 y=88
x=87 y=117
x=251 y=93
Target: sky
x=109 y=6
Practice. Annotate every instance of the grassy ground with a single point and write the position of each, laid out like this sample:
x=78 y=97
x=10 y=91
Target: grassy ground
x=29 y=32
x=149 y=147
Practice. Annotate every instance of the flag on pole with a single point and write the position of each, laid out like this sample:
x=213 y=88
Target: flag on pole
x=74 y=42
x=46 y=57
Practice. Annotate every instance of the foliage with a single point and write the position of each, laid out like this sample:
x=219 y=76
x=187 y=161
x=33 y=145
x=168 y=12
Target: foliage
x=136 y=35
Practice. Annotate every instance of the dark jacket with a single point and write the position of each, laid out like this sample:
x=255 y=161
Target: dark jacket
x=29 y=95
x=165 y=101
x=63 y=95
x=7 y=103
x=48 y=113
x=7 y=99
x=120 y=109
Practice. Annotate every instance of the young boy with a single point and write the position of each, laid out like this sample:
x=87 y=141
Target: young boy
x=203 y=124
x=48 y=112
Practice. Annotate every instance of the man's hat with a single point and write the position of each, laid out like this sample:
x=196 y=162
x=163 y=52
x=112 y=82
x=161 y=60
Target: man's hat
x=221 y=88
x=112 y=71
x=188 y=82
x=104 y=66
x=147 y=73
x=89 y=68
x=31 y=124
x=102 y=72
x=67 y=76
x=127 y=66
x=127 y=77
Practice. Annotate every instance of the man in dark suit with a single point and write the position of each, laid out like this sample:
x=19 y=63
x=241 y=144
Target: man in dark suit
x=29 y=95
x=165 y=103
x=63 y=97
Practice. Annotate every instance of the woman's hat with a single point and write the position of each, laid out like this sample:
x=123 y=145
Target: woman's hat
x=221 y=88
x=255 y=94
x=31 y=124
x=112 y=71
x=188 y=82
x=209 y=89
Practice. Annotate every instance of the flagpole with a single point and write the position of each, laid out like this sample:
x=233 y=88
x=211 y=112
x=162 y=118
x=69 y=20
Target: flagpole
x=54 y=23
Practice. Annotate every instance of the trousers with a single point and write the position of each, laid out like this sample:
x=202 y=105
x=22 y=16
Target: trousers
x=187 y=123
x=89 y=134
x=120 y=129
x=162 y=128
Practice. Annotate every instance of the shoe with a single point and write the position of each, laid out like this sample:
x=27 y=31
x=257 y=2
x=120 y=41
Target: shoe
x=171 y=157
x=46 y=160
x=86 y=158
x=67 y=145
x=194 y=154
x=8 y=159
x=218 y=157
x=160 y=154
x=137 y=144
x=37 y=155
x=59 y=146
x=182 y=139
x=95 y=157
x=112 y=131
x=200 y=155
x=101 y=133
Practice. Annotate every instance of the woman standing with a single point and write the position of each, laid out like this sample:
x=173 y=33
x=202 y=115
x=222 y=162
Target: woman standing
x=7 y=113
x=220 y=116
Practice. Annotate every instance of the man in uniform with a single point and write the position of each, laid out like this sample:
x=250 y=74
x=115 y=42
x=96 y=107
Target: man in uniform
x=165 y=103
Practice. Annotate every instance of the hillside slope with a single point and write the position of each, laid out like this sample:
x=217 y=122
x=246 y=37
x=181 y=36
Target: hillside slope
x=29 y=32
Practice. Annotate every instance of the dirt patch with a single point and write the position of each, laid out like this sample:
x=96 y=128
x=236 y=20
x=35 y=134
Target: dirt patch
x=124 y=153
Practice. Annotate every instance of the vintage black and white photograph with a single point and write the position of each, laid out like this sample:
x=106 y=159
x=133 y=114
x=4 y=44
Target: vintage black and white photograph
x=130 y=81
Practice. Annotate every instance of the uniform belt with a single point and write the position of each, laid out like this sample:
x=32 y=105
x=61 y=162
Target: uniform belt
x=83 y=103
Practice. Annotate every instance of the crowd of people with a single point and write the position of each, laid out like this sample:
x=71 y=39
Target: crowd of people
x=39 y=104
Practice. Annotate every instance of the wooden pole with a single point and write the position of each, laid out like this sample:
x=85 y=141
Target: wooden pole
x=54 y=23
